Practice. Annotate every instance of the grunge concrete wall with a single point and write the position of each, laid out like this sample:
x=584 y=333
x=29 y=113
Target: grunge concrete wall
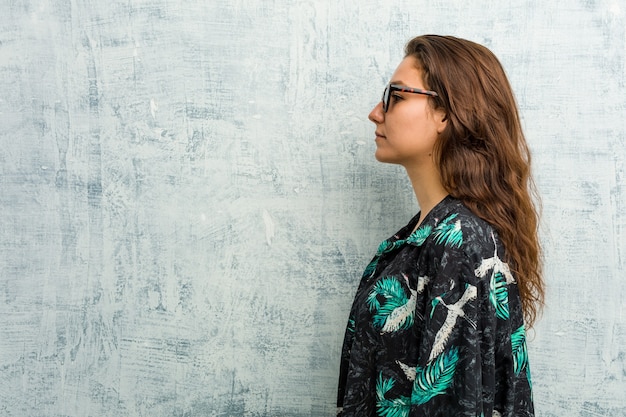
x=188 y=195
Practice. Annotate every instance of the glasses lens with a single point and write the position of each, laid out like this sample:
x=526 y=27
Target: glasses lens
x=386 y=98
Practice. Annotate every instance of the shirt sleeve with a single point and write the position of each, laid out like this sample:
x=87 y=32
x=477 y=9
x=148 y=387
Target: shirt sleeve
x=472 y=354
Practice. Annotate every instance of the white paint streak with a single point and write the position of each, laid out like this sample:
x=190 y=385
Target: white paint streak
x=269 y=227
x=153 y=108
x=615 y=8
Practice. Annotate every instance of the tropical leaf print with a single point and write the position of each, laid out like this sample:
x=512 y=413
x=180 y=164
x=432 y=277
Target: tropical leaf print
x=379 y=377
x=435 y=378
x=389 y=245
x=449 y=233
x=397 y=407
x=420 y=235
x=501 y=276
x=417 y=237
x=520 y=352
x=371 y=268
x=397 y=311
x=384 y=247
x=499 y=295
x=351 y=325
x=372 y=299
x=400 y=317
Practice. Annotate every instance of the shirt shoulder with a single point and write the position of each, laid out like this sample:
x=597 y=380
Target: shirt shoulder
x=460 y=240
x=454 y=227
x=479 y=236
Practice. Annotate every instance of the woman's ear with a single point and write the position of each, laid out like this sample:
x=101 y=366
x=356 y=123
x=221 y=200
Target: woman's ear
x=441 y=118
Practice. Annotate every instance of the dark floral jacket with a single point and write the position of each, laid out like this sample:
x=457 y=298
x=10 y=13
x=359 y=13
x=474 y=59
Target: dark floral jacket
x=436 y=328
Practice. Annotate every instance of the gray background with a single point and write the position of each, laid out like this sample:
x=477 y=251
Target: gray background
x=189 y=195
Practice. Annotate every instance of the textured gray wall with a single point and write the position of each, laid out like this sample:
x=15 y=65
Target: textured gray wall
x=189 y=194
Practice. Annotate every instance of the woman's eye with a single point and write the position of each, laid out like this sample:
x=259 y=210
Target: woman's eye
x=396 y=97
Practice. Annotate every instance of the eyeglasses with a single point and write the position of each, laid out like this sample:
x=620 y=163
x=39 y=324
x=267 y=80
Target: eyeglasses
x=404 y=89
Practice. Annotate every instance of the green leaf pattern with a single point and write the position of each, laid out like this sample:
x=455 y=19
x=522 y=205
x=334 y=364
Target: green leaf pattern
x=388 y=309
x=351 y=325
x=449 y=232
x=397 y=407
x=499 y=295
x=397 y=312
x=435 y=378
x=499 y=280
x=419 y=236
x=416 y=238
x=520 y=351
x=432 y=380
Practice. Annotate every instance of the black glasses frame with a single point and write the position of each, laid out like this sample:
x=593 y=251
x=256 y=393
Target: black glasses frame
x=403 y=88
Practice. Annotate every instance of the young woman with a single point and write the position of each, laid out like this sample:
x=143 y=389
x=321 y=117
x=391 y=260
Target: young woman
x=438 y=323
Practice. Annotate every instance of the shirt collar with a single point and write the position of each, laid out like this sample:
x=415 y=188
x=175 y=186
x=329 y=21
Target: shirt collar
x=442 y=210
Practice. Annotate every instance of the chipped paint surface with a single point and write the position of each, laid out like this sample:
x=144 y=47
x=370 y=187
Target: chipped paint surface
x=189 y=194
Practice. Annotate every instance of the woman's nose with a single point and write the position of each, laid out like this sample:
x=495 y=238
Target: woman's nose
x=377 y=115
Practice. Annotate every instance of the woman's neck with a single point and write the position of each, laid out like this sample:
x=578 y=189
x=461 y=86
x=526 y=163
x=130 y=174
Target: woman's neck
x=428 y=189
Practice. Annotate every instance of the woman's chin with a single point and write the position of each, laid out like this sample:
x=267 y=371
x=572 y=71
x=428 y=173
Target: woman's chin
x=381 y=157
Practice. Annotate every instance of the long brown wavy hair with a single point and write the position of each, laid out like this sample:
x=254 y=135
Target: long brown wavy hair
x=482 y=155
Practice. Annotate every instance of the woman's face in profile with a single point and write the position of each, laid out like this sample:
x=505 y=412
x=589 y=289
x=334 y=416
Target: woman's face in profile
x=407 y=132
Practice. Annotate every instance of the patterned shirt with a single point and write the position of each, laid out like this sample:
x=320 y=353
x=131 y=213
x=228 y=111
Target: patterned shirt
x=436 y=328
